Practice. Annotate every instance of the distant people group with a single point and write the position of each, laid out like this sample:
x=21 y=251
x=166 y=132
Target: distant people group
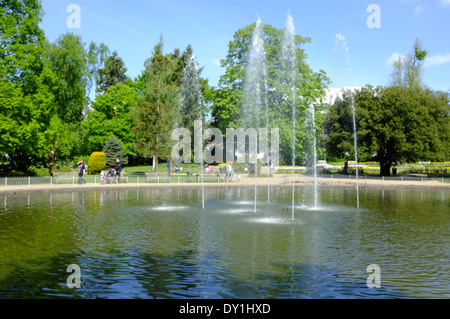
x=108 y=177
x=114 y=173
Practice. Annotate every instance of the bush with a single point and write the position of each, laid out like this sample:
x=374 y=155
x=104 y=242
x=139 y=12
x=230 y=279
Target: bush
x=114 y=150
x=97 y=162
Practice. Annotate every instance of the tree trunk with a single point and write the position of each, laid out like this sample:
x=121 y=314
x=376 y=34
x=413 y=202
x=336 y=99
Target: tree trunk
x=385 y=168
x=155 y=162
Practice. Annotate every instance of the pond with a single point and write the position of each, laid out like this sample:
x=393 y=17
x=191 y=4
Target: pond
x=160 y=243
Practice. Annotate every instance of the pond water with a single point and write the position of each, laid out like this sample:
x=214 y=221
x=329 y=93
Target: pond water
x=160 y=243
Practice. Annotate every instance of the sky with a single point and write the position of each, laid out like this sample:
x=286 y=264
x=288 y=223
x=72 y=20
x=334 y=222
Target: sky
x=353 y=41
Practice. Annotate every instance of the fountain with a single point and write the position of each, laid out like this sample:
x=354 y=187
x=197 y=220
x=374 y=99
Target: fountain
x=256 y=93
x=289 y=65
x=355 y=142
x=192 y=98
x=341 y=49
x=255 y=88
x=312 y=120
x=157 y=241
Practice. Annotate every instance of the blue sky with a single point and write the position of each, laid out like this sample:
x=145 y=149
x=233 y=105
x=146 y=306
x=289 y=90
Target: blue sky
x=342 y=44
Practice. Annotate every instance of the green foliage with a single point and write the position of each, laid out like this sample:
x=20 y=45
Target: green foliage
x=408 y=70
x=114 y=150
x=112 y=74
x=192 y=102
x=338 y=128
x=75 y=67
x=26 y=105
x=154 y=115
x=97 y=162
x=21 y=41
x=229 y=97
x=111 y=116
x=395 y=124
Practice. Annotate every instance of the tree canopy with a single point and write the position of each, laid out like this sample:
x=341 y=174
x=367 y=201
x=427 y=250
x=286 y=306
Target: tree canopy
x=395 y=124
x=229 y=97
x=113 y=73
x=46 y=115
x=154 y=114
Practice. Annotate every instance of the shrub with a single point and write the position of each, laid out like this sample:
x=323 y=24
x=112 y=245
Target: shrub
x=97 y=162
x=113 y=149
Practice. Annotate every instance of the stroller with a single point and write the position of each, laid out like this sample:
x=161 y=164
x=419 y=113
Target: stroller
x=110 y=175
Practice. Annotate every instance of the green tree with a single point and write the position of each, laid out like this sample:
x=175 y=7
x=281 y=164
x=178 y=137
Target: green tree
x=24 y=121
x=75 y=67
x=112 y=73
x=408 y=69
x=395 y=124
x=192 y=101
x=112 y=116
x=229 y=97
x=154 y=114
x=21 y=41
x=26 y=104
x=114 y=150
x=338 y=128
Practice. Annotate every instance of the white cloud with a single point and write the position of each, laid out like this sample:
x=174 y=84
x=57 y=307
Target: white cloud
x=419 y=9
x=445 y=3
x=429 y=62
x=436 y=60
x=394 y=57
x=217 y=61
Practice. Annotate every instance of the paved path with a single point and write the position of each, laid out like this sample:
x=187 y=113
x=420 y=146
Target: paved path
x=280 y=180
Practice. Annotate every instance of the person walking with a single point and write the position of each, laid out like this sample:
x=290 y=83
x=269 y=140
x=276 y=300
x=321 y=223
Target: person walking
x=81 y=171
x=118 y=170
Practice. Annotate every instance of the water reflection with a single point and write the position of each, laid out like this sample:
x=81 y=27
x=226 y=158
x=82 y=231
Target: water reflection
x=159 y=243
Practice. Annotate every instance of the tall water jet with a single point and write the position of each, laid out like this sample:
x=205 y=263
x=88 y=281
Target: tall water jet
x=191 y=106
x=312 y=129
x=342 y=50
x=289 y=65
x=255 y=88
x=355 y=142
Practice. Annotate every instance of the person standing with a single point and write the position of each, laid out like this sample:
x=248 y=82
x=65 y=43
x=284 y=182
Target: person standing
x=81 y=171
x=346 y=168
x=229 y=170
x=118 y=170
x=169 y=167
x=102 y=178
